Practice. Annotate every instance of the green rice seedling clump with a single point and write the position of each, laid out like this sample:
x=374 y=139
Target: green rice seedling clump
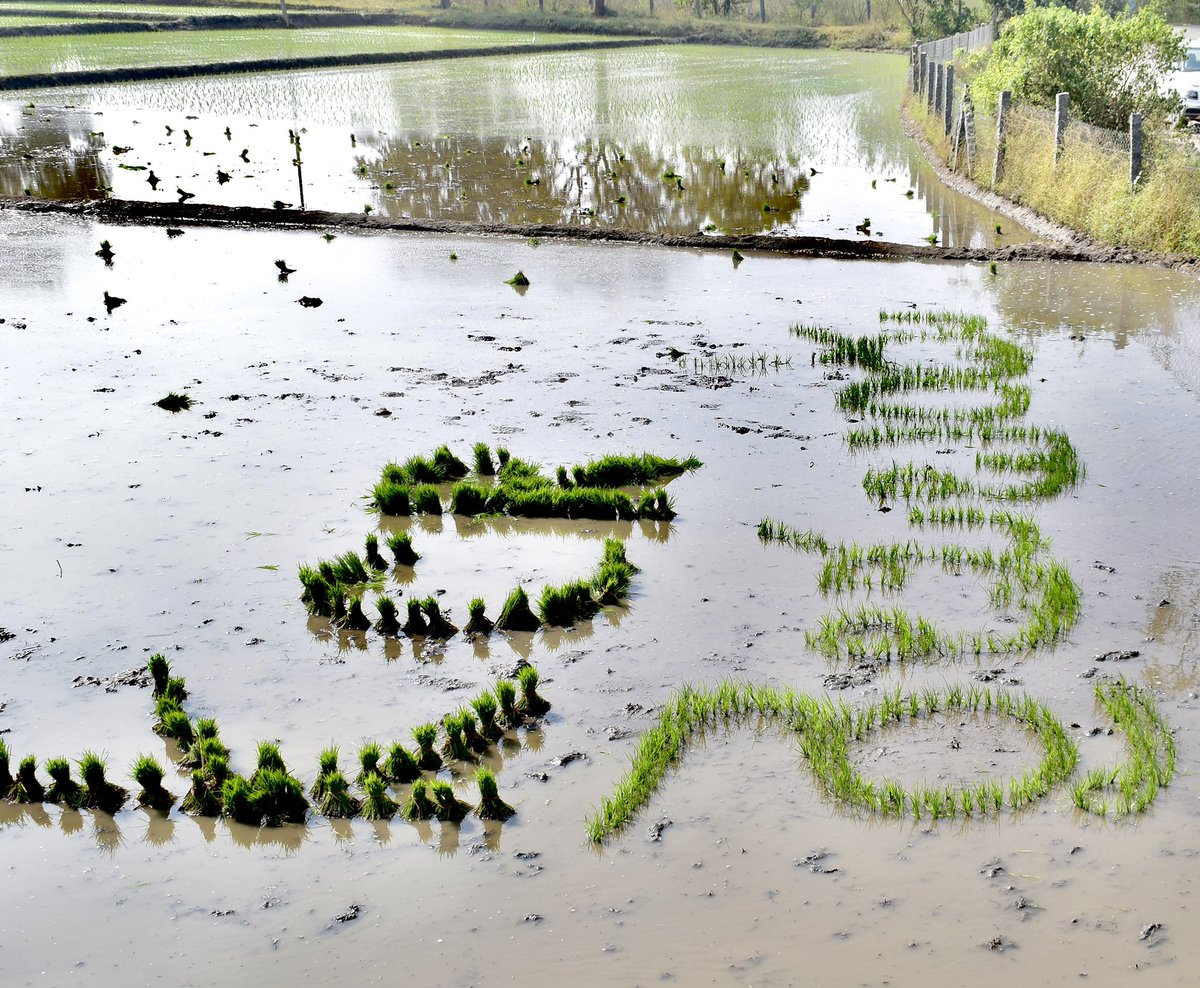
x=419 y=805
x=374 y=559
x=476 y=742
x=415 y=626
x=455 y=746
x=99 y=793
x=427 y=500
x=401 y=765
x=506 y=694
x=437 y=625
x=63 y=789
x=491 y=806
x=27 y=788
x=369 y=756
x=469 y=499
x=532 y=703
x=478 y=622
x=483 y=460
x=278 y=797
x=355 y=619
x=516 y=615
x=148 y=773
x=565 y=605
x=402 y=548
x=174 y=402
x=327 y=762
x=449 y=808
x=377 y=804
x=205 y=796
x=486 y=708
x=392 y=498
x=388 y=624
x=160 y=671
x=426 y=736
x=337 y=803
x=6 y=777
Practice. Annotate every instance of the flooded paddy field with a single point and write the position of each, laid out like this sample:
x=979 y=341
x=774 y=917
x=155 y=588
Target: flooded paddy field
x=131 y=530
x=671 y=139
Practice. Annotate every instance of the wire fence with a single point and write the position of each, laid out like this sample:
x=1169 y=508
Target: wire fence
x=945 y=49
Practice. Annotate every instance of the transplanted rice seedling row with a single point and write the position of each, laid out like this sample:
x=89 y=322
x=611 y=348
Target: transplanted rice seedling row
x=1021 y=577
x=271 y=795
x=826 y=729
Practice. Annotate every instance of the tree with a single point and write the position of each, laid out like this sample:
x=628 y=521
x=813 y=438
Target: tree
x=1109 y=66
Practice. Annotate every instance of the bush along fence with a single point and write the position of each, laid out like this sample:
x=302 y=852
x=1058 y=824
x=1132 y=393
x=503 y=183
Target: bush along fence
x=1136 y=187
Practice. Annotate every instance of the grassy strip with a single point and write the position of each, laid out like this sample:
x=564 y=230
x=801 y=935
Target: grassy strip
x=1132 y=785
x=826 y=729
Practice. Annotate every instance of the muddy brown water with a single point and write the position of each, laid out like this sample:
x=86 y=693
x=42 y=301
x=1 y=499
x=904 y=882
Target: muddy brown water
x=129 y=530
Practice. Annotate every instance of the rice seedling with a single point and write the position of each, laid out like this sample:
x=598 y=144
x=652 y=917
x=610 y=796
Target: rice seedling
x=470 y=730
x=387 y=623
x=368 y=759
x=401 y=765
x=455 y=746
x=160 y=671
x=519 y=280
x=625 y=471
x=426 y=735
x=415 y=626
x=437 y=625
x=419 y=805
x=448 y=465
x=531 y=704
x=174 y=402
x=177 y=725
x=326 y=763
x=27 y=788
x=6 y=778
x=469 y=499
x=99 y=793
x=205 y=796
x=270 y=759
x=426 y=500
x=478 y=622
x=238 y=802
x=506 y=695
x=63 y=789
x=378 y=803
x=483 y=460
x=355 y=619
x=486 y=708
x=374 y=559
x=449 y=808
x=564 y=605
x=175 y=690
x=516 y=615
x=402 y=548
x=278 y=797
x=337 y=803
x=491 y=806
x=392 y=498
x=148 y=773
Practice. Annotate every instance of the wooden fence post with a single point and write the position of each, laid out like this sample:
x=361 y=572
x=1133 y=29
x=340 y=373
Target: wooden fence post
x=939 y=83
x=1001 y=136
x=929 y=86
x=1135 y=148
x=948 y=92
x=1062 y=103
x=922 y=72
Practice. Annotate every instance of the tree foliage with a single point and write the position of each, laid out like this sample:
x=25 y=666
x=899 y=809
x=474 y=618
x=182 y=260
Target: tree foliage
x=1110 y=66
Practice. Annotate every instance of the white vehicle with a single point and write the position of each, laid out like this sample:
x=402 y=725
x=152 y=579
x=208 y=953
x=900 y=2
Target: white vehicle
x=1186 y=82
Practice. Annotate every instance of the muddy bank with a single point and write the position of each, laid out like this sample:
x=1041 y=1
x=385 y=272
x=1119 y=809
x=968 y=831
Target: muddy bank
x=150 y=213
x=47 y=80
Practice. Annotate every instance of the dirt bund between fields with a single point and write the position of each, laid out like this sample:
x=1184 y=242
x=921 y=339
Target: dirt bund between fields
x=87 y=77
x=134 y=212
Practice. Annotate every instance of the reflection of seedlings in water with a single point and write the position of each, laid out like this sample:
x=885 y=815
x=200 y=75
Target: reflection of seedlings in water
x=368 y=760
x=387 y=623
x=337 y=803
x=63 y=789
x=485 y=706
x=516 y=615
x=148 y=773
x=506 y=694
x=415 y=626
x=378 y=804
x=174 y=402
x=425 y=735
x=450 y=808
x=100 y=794
x=1134 y=783
x=478 y=623
x=491 y=806
x=419 y=806
x=327 y=762
x=532 y=703
x=401 y=545
x=401 y=764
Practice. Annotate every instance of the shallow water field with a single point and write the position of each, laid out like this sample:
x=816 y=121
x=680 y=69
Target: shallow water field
x=668 y=140
x=131 y=531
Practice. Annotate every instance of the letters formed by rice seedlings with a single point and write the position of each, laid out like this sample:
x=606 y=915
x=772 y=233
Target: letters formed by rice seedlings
x=402 y=548
x=99 y=793
x=419 y=805
x=426 y=735
x=449 y=808
x=478 y=622
x=1131 y=786
x=148 y=773
x=337 y=803
x=491 y=806
x=826 y=728
x=63 y=789
x=378 y=804
x=532 y=703
x=516 y=614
